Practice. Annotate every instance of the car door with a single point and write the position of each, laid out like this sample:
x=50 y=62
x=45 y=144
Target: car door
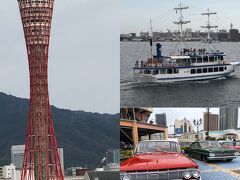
x=195 y=150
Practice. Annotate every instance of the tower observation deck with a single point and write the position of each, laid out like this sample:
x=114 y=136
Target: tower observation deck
x=41 y=156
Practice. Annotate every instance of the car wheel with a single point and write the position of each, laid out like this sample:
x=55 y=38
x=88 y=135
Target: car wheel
x=204 y=159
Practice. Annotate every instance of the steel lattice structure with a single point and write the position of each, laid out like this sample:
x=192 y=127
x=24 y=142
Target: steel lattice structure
x=41 y=156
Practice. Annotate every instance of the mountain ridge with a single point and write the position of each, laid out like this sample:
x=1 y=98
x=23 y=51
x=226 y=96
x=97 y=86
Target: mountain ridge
x=85 y=136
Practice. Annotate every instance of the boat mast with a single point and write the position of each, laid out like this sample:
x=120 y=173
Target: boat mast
x=181 y=22
x=151 y=37
x=208 y=26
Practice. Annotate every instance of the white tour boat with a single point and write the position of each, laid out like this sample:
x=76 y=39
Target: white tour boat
x=189 y=65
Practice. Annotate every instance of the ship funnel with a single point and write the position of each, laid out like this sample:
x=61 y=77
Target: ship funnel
x=159 y=50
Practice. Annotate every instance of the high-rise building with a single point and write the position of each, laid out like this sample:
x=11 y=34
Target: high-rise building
x=161 y=119
x=182 y=126
x=210 y=122
x=17 y=155
x=228 y=118
x=41 y=156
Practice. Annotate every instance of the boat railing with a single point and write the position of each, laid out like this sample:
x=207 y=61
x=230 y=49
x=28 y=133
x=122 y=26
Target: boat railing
x=155 y=65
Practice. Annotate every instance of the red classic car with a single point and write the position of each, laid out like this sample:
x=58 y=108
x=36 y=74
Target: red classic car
x=158 y=160
x=229 y=144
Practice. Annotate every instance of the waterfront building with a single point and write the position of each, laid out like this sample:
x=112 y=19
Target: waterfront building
x=9 y=172
x=210 y=122
x=161 y=119
x=228 y=118
x=182 y=126
x=17 y=155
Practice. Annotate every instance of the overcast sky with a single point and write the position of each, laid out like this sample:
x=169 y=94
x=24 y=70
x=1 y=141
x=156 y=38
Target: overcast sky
x=180 y=113
x=83 y=59
x=135 y=14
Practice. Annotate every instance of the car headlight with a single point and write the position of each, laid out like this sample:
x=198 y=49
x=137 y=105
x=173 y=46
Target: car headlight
x=211 y=154
x=196 y=174
x=126 y=177
x=187 y=175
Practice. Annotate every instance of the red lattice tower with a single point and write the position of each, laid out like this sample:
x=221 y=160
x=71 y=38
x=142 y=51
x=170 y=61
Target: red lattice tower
x=41 y=156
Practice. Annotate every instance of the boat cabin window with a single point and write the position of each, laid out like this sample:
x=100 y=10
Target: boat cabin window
x=194 y=60
x=162 y=71
x=205 y=70
x=221 y=57
x=169 y=71
x=199 y=71
x=216 y=69
x=147 y=72
x=205 y=58
x=211 y=59
x=193 y=71
x=221 y=69
x=210 y=69
x=154 y=72
x=199 y=60
x=176 y=71
x=215 y=58
x=225 y=68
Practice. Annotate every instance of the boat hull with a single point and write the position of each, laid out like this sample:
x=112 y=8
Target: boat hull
x=186 y=76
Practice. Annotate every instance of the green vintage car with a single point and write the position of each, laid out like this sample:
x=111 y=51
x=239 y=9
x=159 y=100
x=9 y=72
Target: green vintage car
x=210 y=150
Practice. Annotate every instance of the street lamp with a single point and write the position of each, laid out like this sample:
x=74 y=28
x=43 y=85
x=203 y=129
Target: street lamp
x=197 y=123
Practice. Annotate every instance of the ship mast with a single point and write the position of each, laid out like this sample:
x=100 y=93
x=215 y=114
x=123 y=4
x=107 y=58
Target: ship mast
x=208 y=26
x=151 y=38
x=181 y=22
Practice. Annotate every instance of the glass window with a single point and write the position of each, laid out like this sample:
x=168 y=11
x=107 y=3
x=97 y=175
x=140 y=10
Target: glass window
x=199 y=60
x=193 y=60
x=195 y=145
x=169 y=71
x=205 y=58
x=204 y=70
x=210 y=69
x=199 y=71
x=211 y=59
x=162 y=71
x=225 y=68
x=154 y=72
x=216 y=69
x=193 y=71
x=221 y=69
x=176 y=71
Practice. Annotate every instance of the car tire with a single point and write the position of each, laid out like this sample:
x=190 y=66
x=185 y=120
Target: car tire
x=204 y=159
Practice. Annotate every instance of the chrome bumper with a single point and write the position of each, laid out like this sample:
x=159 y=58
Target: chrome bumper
x=221 y=158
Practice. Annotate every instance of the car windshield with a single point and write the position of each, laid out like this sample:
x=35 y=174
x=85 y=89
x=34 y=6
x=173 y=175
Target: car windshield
x=210 y=144
x=157 y=146
x=227 y=144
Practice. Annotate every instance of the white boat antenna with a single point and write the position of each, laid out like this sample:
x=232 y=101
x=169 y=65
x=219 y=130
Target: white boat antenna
x=181 y=22
x=209 y=26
